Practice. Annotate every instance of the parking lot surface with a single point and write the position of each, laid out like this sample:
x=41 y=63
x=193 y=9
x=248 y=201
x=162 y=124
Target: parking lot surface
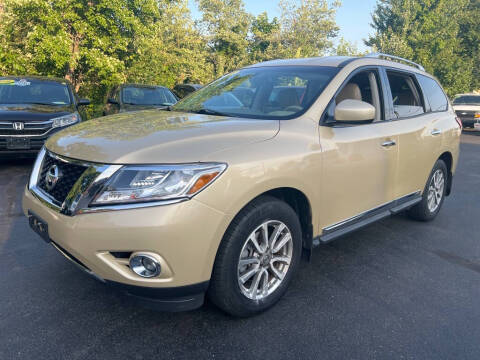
x=398 y=289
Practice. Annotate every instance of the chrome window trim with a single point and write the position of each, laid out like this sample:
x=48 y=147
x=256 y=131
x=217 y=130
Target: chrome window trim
x=85 y=188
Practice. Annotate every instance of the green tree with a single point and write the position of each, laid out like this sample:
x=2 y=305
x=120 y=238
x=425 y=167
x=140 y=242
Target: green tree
x=308 y=28
x=264 y=38
x=346 y=48
x=431 y=32
x=225 y=24
x=176 y=52
x=91 y=43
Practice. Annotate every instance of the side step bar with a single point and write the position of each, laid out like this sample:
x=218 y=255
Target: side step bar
x=357 y=222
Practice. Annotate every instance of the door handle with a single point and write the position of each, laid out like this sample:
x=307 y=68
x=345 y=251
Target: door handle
x=435 y=132
x=389 y=143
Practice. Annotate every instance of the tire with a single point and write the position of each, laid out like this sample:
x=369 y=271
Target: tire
x=231 y=287
x=423 y=211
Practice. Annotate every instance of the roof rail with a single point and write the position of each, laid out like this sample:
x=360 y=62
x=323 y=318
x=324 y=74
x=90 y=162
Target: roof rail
x=393 y=57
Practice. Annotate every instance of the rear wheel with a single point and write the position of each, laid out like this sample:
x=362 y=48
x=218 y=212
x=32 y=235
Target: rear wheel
x=257 y=258
x=433 y=194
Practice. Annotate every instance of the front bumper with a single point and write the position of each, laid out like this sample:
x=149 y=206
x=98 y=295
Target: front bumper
x=468 y=122
x=185 y=236
x=36 y=143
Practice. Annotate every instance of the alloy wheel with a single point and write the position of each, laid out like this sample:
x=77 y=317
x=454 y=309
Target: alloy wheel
x=435 y=190
x=265 y=259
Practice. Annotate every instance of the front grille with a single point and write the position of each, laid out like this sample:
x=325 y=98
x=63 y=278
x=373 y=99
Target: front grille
x=24 y=132
x=462 y=114
x=30 y=129
x=70 y=173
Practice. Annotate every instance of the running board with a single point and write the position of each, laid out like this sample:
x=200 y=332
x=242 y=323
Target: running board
x=357 y=222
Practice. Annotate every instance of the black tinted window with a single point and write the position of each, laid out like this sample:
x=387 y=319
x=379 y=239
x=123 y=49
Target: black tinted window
x=31 y=91
x=147 y=96
x=405 y=94
x=434 y=93
x=467 y=100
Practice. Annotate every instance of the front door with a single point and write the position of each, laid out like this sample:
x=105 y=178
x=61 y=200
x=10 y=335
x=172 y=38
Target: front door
x=359 y=161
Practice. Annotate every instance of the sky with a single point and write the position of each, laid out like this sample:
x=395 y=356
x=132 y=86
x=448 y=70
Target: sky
x=353 y=17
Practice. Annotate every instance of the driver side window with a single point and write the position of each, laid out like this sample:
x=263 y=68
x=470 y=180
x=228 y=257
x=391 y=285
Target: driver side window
x=363 y=86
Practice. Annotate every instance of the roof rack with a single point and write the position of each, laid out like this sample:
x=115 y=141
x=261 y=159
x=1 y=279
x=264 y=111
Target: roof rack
x=393 y=57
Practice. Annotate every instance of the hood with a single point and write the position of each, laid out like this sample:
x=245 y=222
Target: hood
x=466 y=107
x=154 y=137
x=32 y=112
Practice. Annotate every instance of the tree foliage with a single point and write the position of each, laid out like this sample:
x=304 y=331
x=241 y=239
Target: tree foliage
x=443 y=35
x=100 y=43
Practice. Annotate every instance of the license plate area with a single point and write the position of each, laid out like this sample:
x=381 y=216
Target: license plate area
x=18 y=143
x=39 y=226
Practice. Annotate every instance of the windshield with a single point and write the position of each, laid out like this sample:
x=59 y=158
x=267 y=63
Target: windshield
x=30 y=91
x=280 y=92
x=467 y=100
x=147 y=96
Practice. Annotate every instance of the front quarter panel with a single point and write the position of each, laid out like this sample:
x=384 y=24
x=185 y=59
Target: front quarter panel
x=292 y=159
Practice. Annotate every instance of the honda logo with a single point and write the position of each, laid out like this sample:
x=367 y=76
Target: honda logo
x=18 y=125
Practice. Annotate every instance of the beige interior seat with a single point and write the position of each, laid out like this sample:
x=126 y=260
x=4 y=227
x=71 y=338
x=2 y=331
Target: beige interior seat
x=350 y=91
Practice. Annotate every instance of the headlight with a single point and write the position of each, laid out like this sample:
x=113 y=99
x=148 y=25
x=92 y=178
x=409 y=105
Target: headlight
x=134 y=184
x=65 y=120
x=477 y=115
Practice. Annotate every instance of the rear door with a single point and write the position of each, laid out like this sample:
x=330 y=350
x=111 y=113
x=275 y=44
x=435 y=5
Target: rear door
x=418 y=129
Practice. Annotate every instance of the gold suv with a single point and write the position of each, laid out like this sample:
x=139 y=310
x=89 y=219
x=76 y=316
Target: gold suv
x=221 y=193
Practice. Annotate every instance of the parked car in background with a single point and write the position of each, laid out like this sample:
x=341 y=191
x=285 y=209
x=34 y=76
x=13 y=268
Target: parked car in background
x=32 y=109
x=467 y=107
x=221 y=195
x=182 y=90
x=134 y=97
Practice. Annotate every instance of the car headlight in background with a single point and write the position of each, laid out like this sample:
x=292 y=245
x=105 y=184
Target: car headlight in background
x=65 y=120
x=134 y=184
x=477 y=115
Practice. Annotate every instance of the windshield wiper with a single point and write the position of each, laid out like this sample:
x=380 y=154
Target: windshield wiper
x=209 y=112
x=43 y=103
x=161 y=104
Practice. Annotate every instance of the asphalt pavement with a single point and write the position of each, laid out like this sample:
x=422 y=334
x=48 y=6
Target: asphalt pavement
x=398 y=289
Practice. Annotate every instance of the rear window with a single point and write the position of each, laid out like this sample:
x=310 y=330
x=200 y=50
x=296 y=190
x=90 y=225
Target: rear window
x=405 y=95
x=30 y=91
x=147 y=96
x=467 y=100
x=434 y=93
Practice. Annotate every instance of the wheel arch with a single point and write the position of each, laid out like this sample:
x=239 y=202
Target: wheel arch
x=299 y=202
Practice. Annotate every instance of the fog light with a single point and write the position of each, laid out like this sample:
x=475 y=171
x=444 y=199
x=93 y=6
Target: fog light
x=145 y=265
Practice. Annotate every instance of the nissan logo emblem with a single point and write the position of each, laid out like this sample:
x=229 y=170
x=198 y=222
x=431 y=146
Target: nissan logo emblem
x=18 y=125
x=52 y=177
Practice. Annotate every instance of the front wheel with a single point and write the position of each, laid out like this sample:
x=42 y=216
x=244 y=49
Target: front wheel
x=433 y=194
x=257 y=258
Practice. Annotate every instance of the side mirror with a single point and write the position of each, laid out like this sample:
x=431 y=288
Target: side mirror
x=83 y=102
x=350 y=110
x=112 y=101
